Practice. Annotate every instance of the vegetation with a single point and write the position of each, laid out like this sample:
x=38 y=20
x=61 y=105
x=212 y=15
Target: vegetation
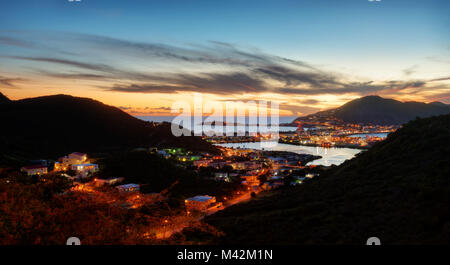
x=52 y=126
x=156 y=174
x=398 y=191
x=38 y=213
x=44 y=210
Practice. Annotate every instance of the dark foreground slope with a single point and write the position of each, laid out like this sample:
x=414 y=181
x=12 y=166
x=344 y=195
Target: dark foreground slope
x=383 y=111
x=398 y=191
x=45 y=127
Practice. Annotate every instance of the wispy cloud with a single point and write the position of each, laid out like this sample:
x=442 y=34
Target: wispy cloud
x=298 y=110
x=147 y=110
x=86 y=66
x=410 y=70
x=15 y=42
x=215 y=67
x=9 y=82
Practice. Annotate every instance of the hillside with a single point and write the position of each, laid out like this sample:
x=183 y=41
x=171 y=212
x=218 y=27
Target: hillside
x=46 y=127
x=378 y=110
x=3 y=98
x=398 y=191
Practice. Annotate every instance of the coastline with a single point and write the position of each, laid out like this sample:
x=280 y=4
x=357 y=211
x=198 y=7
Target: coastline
x=252 y=140
x=334 y=146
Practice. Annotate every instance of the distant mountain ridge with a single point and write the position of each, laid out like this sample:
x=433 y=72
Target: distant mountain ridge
x=382 y=111
x=44 y=127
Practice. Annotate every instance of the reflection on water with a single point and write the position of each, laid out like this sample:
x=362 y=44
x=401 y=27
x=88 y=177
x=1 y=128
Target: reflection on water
x=330 y=156
x=365 y=135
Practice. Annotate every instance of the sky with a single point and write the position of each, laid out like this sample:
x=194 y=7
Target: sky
x=308 y=55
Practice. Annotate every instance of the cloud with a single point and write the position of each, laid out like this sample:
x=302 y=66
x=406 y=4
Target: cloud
x=161 y=108
x=295 y=77
x=440 y=79
x=215 y=67
x=84 y=76
x=145 y=88
x=88 y=66
x=314 y=83
x=308 y=101
x=9 y=82
x=214 y=83
x=410 y=70
x=438 y=59
x=15 y=42
x=299 y=110
x=147 y=110
x=218 y=53
x=362 y=88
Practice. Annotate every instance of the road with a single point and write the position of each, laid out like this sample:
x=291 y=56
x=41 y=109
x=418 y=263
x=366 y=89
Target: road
x=241 y=198
x=172 y=228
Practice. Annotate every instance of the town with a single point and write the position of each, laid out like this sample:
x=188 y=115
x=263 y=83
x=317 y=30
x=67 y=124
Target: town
x=249 y=172
x=325 y=132
x=219 y=179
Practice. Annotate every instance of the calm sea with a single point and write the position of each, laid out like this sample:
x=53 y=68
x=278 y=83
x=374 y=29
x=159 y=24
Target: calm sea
x=330 y=156
x=281 y=119
x=365 y=135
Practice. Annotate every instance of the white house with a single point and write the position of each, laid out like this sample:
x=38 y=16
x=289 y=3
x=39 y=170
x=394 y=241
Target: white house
x=128 y=187
x=78 y=156
x=73 y=159
x=199 y=203
x=221 y=176
x=85 y=167
x=35 y=170
x=59 y=166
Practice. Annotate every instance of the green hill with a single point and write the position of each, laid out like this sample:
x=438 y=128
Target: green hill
x=398 y=191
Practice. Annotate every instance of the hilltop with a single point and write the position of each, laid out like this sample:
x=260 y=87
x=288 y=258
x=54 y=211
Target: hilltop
x=4 y=98
x=398 y=191
x=381 y=111
x=49 y=126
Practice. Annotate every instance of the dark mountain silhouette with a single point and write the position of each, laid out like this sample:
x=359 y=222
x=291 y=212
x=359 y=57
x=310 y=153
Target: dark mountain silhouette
x=437 y=103
x=397 y=191
x=3 y=98
x=378 y=110
x=55 y=125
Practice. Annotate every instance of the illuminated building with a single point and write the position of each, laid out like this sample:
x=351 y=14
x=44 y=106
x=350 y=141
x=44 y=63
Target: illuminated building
x=128 y=187
x=35 y=170
x=199 y=203
x=85 y=167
